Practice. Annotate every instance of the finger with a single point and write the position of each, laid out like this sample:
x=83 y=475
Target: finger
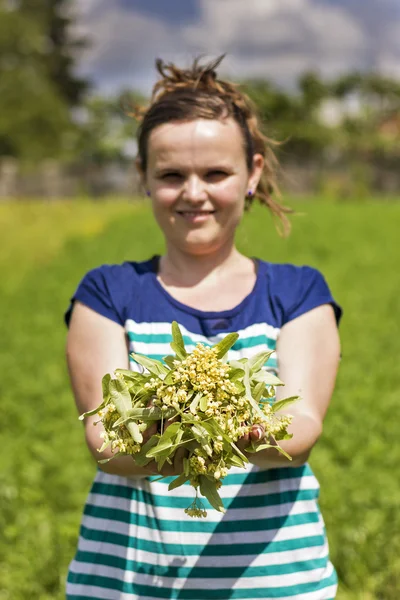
x=150 y=431
x=169 y=422
x=257 y=433
x=167 y=470
x=152 y=466
x=243 y=442
x=179 y=455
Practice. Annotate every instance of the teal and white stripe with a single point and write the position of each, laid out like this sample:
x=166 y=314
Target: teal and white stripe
x=136 y=542
x=153 y=340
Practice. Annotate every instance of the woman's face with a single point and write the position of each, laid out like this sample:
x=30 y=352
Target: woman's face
x=198 y=179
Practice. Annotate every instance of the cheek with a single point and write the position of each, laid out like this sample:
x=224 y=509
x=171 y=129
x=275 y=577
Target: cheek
x=230 y=195
x=163 y=199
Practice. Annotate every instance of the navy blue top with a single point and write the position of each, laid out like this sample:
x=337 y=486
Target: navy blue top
x=131 y=290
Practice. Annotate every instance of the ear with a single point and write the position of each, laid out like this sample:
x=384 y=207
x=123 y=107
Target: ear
x=256 y=172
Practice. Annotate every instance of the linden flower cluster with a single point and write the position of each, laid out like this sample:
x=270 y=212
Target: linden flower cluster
x=120 y=440
x=199 y=402
x=203 y=372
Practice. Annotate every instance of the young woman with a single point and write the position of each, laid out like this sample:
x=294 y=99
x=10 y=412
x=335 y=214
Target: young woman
x=203 y=160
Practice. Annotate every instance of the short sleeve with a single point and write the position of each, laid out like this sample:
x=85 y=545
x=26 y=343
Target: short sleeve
x=96 y=291
x=305 y=288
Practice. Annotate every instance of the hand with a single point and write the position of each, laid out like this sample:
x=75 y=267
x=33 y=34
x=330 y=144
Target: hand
x=257 y=434
x=168 y=470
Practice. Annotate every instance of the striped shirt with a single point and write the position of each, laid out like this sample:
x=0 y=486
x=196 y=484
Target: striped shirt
x=135 y=541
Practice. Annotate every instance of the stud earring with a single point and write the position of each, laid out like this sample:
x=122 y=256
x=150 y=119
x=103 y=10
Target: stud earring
x=250 y=194
x=147 y=193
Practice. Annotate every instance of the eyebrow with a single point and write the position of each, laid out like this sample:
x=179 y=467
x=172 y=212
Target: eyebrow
x=172 y=167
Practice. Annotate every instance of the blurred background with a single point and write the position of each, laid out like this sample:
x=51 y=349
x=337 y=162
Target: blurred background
x=325 y=75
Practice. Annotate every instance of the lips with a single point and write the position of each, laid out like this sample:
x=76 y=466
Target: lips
x=195 y=212
x=195 y=217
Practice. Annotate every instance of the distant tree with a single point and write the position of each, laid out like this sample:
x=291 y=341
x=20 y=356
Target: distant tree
x=378 y=99
x=313 y=90
x=60 y=48
x=107 y=129
x=37 y=84
x=292 y=118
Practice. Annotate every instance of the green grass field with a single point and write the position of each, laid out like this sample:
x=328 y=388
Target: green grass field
x=45 y=468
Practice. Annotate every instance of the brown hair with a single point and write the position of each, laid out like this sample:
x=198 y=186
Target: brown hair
x=197 y=93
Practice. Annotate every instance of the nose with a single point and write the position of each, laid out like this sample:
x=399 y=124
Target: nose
x=194 y=189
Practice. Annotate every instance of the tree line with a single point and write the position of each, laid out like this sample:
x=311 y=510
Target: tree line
x=48 y=111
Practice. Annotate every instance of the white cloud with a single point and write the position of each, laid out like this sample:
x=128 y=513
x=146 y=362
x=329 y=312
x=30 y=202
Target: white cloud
x=279 y=37
x=124 y=45
x=262 y=38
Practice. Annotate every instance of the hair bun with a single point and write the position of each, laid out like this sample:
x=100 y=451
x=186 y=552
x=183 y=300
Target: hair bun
x=198 y=76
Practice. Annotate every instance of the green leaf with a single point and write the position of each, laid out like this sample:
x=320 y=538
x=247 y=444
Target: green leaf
x=89 y=413
x=165 y=446
x=177 y=344
x=151 y=413
x=226 y=344
x=240 y=389
x=104 y=445
x=103 y=461
x=208 y=449
x=186 y=466
x=249 y=397
x=105 y=384
x=258 y=360
x=281 y=450
x=282 y=435
x=258 y=391
x=285 y=402
x=208 y=489
x=153 y=366
x=201 y=434
x=131 y=375
x=161 y=459
x=140 y=458
x=134 y=430
x=160 y=449
x=236 y=461
x=171 y=430
x=195 y=402
x=120 y=395
x=278 y=448
x=179 y=436
x=263 y=447
x=214 y=429
x=267 y=378
x=178 y=481
x=170 y=361
x=203 y=403
x=236 y=374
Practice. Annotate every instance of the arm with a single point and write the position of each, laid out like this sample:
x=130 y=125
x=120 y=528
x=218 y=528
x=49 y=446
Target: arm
x=308 y=353
x=97 y=345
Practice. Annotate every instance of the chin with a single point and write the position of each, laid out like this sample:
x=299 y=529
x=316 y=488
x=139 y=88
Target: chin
x=200 y=246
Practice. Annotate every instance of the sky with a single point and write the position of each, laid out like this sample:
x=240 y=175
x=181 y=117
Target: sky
x=274 y=39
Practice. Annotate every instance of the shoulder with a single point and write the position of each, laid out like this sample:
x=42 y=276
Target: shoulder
x=125 y=271
x=289 y=279
x=108 y=288
x=296 y=289
x=118 y=276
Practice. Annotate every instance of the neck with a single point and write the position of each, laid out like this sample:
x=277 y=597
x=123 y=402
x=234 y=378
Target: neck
x=182 y=268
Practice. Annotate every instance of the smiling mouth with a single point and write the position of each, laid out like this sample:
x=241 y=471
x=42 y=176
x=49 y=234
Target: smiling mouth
x=195 y=212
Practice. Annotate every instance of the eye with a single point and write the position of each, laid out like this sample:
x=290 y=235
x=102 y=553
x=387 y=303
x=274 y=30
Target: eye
x=171 y=176
x=216 y=175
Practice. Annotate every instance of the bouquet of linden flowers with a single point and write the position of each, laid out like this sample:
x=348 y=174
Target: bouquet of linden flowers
x=201 y=402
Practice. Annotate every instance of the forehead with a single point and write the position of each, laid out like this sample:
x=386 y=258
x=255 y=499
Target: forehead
x=201 y=140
